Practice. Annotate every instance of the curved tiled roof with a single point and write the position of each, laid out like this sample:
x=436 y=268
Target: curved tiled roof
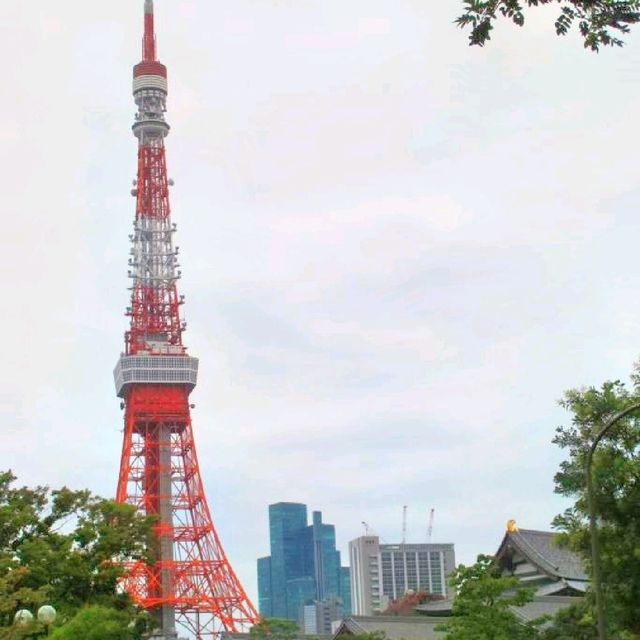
x=542 y=550
x=393 y=627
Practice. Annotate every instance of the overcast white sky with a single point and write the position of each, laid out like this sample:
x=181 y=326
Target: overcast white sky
x=397 y=253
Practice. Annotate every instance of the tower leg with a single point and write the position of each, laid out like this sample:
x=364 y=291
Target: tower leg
x=166 y=613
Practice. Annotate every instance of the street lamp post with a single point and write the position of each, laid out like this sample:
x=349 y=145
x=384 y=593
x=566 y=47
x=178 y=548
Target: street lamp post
x=593 y=527
x=23 y=618
x=46 y=615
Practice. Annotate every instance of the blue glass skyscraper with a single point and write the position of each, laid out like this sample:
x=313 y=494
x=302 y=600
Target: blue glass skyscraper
x=304 y=566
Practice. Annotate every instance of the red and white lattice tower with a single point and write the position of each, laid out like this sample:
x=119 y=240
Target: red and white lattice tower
x=192 y=584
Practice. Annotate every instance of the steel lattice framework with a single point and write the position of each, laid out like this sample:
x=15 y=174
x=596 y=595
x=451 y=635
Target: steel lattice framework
x=192 y=582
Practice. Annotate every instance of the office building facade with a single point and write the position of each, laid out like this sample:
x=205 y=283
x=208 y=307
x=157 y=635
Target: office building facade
x=320 y=617
x=381 y=573
x=304 y=566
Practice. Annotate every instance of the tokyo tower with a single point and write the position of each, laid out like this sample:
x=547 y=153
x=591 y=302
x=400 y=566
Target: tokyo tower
x=191 y=586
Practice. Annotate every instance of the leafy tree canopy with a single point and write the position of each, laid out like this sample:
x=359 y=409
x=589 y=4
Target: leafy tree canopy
x=99 y=623
x=275 y=629
x=484 y=605
x=61 y=547
x=616 y=473
x=600 y=22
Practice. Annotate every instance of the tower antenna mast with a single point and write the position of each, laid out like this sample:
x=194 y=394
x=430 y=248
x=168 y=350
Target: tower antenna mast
x=149 y=53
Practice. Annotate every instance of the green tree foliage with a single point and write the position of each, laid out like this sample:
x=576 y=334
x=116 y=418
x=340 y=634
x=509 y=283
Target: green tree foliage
x=484 y=605
x=573 y=623
x=275 y=629
x=600 y=22
x=61 y=547
x=616 y=472
x=96 y=623
x=93 y=622
x=100 y=623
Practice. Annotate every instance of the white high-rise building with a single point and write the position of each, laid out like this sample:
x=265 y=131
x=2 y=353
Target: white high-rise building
x=381 y=573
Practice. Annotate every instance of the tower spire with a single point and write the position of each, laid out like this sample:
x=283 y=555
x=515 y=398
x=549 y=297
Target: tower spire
x=149 y=41
x=191 y=581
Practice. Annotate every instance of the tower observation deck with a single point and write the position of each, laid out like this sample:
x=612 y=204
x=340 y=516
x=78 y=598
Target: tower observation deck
x=191 y=589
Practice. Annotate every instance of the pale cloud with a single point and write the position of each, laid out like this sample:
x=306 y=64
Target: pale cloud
x=439 y=213
x=397 y=252
x=419 y=342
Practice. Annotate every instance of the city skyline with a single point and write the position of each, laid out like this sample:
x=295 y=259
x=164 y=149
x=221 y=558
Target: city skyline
x=385 y=301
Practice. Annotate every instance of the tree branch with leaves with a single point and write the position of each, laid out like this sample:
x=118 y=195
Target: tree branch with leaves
x=600 y=22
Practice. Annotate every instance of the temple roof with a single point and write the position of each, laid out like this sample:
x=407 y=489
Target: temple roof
x=394 y=627
x=541 y=550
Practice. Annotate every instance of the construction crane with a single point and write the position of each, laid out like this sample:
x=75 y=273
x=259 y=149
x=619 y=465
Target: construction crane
x=370 y=531
x=430 y=527
x=404 y=524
